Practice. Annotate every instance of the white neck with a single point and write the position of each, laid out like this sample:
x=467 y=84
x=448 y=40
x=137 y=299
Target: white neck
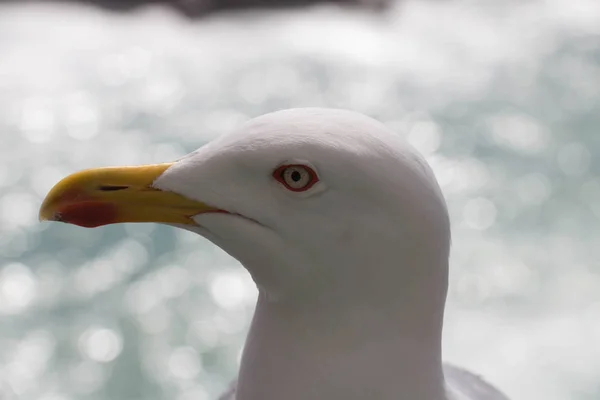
x=360 y=318
x=293 y=355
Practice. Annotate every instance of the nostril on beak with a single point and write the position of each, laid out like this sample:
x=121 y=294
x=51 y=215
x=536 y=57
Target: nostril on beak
x=111 y=188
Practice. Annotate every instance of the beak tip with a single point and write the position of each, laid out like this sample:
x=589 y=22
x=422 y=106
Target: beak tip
x=44 y=218
x=45 y=214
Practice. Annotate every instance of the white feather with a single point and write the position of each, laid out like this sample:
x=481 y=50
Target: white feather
x=352 y=274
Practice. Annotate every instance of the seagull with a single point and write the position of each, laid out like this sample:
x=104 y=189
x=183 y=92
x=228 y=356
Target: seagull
x=345 y=231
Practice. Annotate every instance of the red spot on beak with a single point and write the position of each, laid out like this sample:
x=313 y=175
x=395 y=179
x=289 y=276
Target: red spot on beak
x=89 y=214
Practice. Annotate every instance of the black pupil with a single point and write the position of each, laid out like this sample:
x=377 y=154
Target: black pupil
x=296 y=176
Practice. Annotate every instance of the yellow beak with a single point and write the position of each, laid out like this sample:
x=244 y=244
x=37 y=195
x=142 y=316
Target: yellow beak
x=103 y=196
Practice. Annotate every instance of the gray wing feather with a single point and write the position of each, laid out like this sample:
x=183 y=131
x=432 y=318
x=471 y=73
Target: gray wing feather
x=462 y=385
x=465 y=385
x=230 y=393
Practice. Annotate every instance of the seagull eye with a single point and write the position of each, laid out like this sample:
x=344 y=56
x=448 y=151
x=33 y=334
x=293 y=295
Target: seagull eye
x=296 y=178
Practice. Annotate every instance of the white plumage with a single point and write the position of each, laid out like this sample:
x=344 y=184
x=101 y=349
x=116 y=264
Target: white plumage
x=352 y=273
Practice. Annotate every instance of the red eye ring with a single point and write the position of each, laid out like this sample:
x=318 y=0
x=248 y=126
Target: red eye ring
x=296 y=177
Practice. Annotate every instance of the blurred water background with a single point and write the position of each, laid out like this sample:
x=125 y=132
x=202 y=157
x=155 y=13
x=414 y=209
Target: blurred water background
x=503 y=98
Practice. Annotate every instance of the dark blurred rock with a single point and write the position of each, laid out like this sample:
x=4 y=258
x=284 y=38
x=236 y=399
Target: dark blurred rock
x=197 y=8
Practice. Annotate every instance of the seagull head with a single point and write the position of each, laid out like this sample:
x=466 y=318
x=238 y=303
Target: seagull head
x=300 y=197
